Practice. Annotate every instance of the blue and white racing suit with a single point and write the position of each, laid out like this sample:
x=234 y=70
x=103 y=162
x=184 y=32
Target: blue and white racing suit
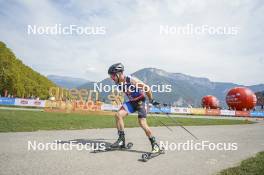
x=136 y=96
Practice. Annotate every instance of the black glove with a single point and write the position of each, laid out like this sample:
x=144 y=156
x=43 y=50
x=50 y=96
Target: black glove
x=154 y=103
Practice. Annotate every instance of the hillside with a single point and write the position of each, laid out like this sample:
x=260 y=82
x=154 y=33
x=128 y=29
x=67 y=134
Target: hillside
x=19 y=79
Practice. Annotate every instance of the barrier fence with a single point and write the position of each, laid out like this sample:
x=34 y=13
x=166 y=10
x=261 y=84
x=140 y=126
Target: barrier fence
x=99 y=106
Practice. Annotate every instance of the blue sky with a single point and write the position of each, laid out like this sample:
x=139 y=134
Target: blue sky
x=133 y=37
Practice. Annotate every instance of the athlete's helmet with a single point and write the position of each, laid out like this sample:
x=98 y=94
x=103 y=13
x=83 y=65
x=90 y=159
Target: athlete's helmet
x=115 y=68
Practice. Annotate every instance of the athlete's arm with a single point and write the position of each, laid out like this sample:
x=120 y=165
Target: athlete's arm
x=139 y=84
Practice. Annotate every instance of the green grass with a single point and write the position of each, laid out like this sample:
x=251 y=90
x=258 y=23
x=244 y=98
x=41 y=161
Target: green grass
x=13 y=121
x=251 y=166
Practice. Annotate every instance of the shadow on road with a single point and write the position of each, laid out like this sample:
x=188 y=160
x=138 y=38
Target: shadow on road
x=94 y=142
x=87 y=142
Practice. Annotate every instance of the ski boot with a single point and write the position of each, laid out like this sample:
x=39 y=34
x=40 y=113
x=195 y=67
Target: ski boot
x=154 y=145
x=120 y=143
x=156 y=150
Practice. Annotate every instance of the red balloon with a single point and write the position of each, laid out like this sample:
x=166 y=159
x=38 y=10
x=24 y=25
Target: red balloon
x=210 y=102
x=241 y=98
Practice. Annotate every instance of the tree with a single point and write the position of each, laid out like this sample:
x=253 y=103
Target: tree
x=19 y=79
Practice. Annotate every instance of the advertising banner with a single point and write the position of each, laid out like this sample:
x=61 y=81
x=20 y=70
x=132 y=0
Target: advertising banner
x=242 y=113
x=7 y=101
x=160 y=110
x=198 y=111
x=227 y=112
x=212 y=112
x=109 y=107
x=179 y=110
x=257 y=114
x=30 y=102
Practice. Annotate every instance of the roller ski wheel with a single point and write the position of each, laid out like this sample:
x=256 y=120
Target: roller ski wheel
x=129 y=145
x=149 y=155
x=145 y=157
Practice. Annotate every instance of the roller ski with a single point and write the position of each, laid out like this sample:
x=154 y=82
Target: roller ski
x=120 y=144
x=115 y=147
x=156 y=151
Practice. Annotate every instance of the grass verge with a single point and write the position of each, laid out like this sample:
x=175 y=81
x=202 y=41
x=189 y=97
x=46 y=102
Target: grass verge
x=14 y=121
x=250 y=166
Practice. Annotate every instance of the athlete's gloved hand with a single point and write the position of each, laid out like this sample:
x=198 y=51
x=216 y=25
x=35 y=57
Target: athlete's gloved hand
x=154 y=103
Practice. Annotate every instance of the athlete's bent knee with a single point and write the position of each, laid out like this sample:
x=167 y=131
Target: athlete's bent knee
x=119 y=115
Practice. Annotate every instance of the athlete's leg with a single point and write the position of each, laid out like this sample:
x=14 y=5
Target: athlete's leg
x=119 y=118
x=142 y=114
x=144 y=125
x=126 y=108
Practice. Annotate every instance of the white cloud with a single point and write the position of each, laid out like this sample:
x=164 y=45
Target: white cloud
x=133 y=37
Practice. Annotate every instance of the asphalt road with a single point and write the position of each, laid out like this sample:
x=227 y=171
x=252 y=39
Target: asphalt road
x=15 y=158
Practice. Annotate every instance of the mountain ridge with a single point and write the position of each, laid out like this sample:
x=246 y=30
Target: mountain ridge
x=186 y=89
x=67 y=81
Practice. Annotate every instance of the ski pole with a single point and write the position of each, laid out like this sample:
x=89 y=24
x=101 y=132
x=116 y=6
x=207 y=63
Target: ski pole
x=156 y=118
x=177 y=123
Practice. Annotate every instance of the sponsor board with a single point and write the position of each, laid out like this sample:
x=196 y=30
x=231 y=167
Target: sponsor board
x=227 y=112
x=242 y=113
x=160 y=110
x=198 y=111
x=257 y=114
x=110 y=107
x=89 y=105
x=75 y=105
x=180 y=110
x=7 y=101
x=30 y=102
x=212 y=112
